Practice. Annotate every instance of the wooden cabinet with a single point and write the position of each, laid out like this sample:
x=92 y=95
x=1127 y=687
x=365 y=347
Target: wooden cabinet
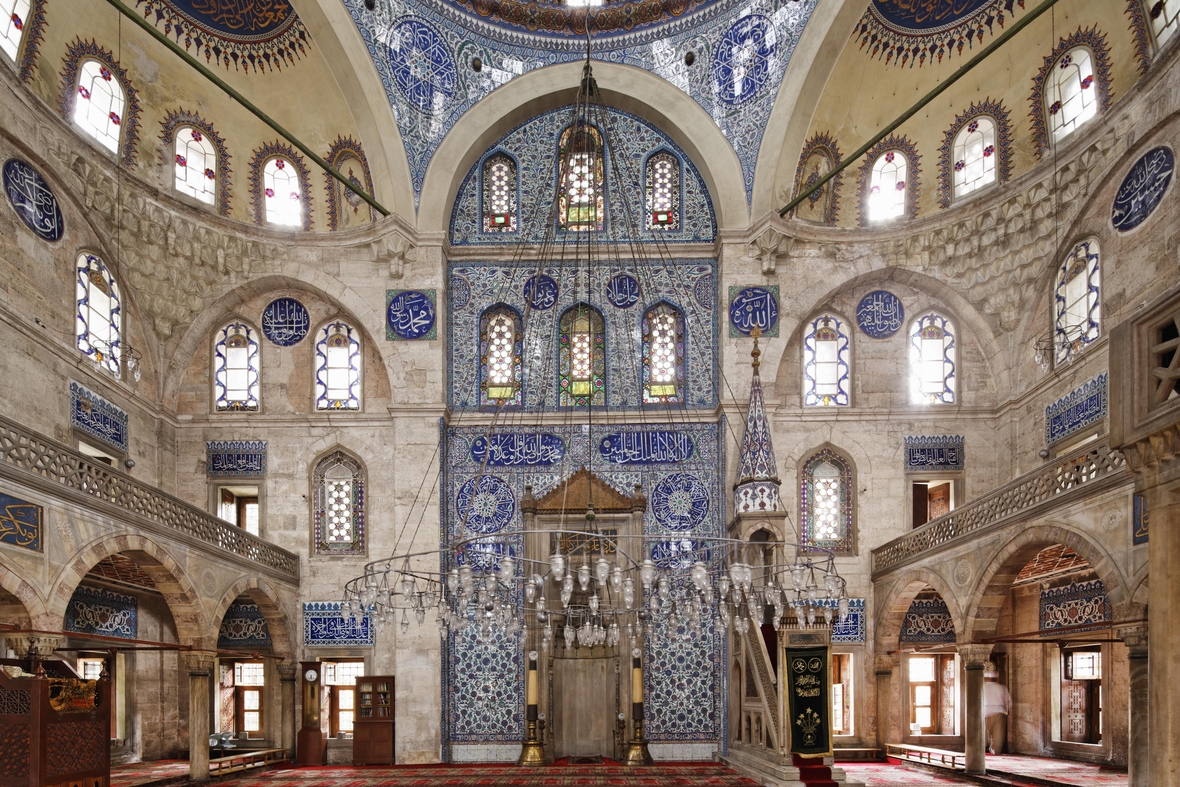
x=372 y=732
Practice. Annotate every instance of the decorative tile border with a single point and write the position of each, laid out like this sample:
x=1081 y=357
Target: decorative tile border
x=182 y=117
x=1075 y=604
x=21 y=523
x=928 y=620
x=325 y=625
x=823 y=144
x=1076 y=410
x=267 y=151
x=1140 y=33
x=89 y=50
x=934 y=453
x=243 y=627
x=225 y=458
x=97 y=611
x=97 y=417
x=342 y=150
x=1097 y=44
x=993 y=109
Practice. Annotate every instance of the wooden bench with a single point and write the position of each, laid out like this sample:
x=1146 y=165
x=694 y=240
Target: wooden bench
x=951 y=760
x=243 y=761
x=850 y=754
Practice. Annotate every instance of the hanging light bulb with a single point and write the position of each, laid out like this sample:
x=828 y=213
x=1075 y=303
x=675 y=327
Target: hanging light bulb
x=530 y=591
x=453 y=581
x=594 y=604
x=827 y=616
x=420 y=615
x=628 y=592
x=699 y=575
x=507 y=568
x=811 y=616
x=557 y=564
x=616 y=578
x=466 y=579
x=647 y=573
x=602 y=571
x=405 y=624
x=584 y=577
x=843 y=607
x=723 y=586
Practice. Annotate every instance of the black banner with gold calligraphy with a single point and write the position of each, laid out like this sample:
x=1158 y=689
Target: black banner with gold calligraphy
x=809 y=703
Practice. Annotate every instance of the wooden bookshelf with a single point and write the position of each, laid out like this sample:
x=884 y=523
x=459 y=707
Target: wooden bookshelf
x=372 y=736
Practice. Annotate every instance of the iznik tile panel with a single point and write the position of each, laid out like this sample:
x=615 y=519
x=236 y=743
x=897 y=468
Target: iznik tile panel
x=928 y=620
x=324 y=624
x=21 y=523
x=243 y=627
x=98 y=611
x=934 y=453
x=97 y=417
x=1076 y=410
x=853 y=631
x=235 y=458
x=1075 y=604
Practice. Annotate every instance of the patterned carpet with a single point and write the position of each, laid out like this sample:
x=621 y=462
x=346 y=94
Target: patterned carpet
x=139 y=773
x=1008 y=767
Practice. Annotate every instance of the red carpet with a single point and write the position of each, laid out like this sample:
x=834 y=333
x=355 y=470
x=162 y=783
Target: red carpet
x=813 y=772
x=138 y=773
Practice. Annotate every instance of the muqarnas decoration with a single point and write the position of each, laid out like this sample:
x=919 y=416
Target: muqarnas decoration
x=97 y=611
x=1076 y=604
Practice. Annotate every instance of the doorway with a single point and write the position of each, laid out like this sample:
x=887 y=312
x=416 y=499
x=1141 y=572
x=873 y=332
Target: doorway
x=584 y=706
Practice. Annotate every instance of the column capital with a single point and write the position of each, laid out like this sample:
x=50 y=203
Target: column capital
x=1134 y=637
x=23 y=645
x=199 y=662
x=287 y=670
x=975 y=656
x=887 y=662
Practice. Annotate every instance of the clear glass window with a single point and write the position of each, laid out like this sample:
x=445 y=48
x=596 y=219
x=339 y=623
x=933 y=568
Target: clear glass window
x=826 y=369
x=235 y=368
x=499 y=194
x=249 y=673
x=1165 y=18
x=14 y=15
x=282 y=193
x=1071 y=97
x=1077 y=297
x=338 y=368
x=99 y=105
x=663 y=354
x=974 y=155
x=90 y=669
x=99 y=314
x=887 y=186
x=195 y=163
x=662 y=179
x=932 y=360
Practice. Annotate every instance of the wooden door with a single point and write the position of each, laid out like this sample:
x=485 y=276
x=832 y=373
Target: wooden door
x=1075 y=711
x=584 y=704
x=938 y=500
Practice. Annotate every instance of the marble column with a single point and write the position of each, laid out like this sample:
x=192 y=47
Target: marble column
x=1163 y=613
x=287 y=728
x=200 y=668
x=1138 y=743
x=974 y=733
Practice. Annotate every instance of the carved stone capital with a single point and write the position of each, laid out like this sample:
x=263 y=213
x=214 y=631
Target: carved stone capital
x=395 y=251
x=1134 y=637
x=770 y=247
x=887 y=662
x=975 y=656
x=287 y=671
x=199 y=663
x=26 y=646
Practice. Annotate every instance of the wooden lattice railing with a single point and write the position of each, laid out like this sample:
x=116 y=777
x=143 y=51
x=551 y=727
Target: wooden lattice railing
x=1082 y=473
x=36 y=454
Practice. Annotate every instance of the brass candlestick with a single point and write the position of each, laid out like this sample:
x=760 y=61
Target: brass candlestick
x=637 y=753
x=532 y=753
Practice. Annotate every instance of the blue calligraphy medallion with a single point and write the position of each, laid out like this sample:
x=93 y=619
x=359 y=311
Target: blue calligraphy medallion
x=753 y=307
x=423 y=68
x=880 y=314
x=411 y=314
x=285 y=322
x=622 y=291
x=680 y=502
x=1142 y=189
x=33 y=200
x=741 y=60
x=484 y=505
x=511 y=449
x=541 y=292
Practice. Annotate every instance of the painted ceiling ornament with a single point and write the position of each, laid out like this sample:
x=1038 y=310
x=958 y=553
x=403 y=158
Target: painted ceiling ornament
x=557 y=19
x=907 y=32
x=250 y=34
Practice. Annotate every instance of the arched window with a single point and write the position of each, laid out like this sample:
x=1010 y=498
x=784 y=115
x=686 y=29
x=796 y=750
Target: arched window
x=580 y=202
x=235 y=369
x=499 y=194
x=1070 y=96
x=975 y=155
x=1076 y=298
x=826 y=370
x=887 y=186
x=500 y=343
x=827 y=501
x=196 y=164
x=14 y=15
x=932 y=360
x=662 y=181
x=282 y=193
x=581 y=361
x=98 y=107
x=663 y=355
x=338 y=510
x=337 y=367
x=99 y=314
x=1165 y=19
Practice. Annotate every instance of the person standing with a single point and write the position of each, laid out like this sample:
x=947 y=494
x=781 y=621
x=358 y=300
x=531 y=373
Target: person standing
x=996 y=702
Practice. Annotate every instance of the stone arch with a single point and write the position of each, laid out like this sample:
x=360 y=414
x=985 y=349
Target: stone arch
x=270 y=602
x=895 y=603
x=982 y=608
x=29 y=598
x=173 y=582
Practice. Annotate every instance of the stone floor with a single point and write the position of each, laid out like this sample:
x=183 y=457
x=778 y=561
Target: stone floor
x=1006 y=769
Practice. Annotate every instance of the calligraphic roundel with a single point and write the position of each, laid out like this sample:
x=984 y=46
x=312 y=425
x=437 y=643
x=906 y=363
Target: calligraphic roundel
x=880 y=314
x=680 y=502
x=485 y=504
x=410 y=314
x=931 y=16
x=1142 y=190
x=33 y=200
x=285 y=322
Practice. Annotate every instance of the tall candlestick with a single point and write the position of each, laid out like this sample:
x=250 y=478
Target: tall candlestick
x=531 y=690
x=636 y=677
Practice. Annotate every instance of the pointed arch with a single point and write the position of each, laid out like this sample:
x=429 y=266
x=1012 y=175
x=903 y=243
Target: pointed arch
x=339 y=502
x=499 y=192
x=665 y=353
x=895 y=603
x=501 y=347
x=827 y=501
x=28 y=596
x=663 y=177
x=87 y=62
x=270 y=602
x=581 y=357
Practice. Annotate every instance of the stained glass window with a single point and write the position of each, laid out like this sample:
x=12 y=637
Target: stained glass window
x=99 y=314
x=826 y=500
x=499 y=194
x=932 y=360
x=887 y=186
x=1165 y=18
x=500 y=340
x=1076 y=298
x=1070 y=95
x=581 y=359
x=235 y=368
x=338 y=368
x=826 y=370
x=282 y=193
x=14 y=15
x=663 y=355
x=662 y=179
x=339 y=507
x=975 y=155
x=99 y=105
x=580 y=204
x=195 y=161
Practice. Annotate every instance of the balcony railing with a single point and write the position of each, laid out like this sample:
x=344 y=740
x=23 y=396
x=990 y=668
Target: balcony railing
x=1081 y=474
x=36 y=454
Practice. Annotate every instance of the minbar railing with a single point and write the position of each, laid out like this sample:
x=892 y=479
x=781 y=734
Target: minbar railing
x=36 y=454
x=1082 y=473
